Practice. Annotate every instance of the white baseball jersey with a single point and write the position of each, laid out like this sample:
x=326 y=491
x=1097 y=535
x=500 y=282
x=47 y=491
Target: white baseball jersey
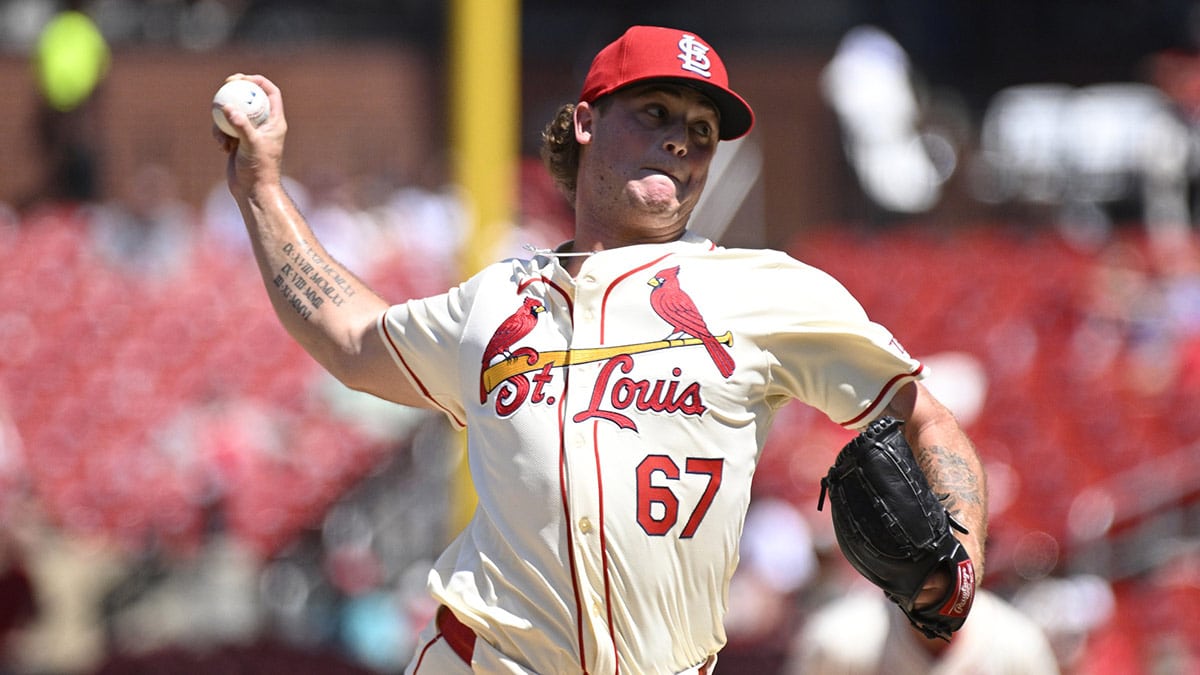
x=615 y=420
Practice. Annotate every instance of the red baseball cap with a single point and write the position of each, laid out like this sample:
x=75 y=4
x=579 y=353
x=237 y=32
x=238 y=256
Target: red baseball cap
x=651 y=53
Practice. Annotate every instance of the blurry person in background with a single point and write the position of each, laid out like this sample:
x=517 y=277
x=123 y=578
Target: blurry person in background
x=70 y=61
x=863 y=633
x=148 y=230
x=18 y=601
x=778 y=563
x=18 y=597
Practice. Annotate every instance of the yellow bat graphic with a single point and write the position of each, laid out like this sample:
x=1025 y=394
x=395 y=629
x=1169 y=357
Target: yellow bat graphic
x=521 y=364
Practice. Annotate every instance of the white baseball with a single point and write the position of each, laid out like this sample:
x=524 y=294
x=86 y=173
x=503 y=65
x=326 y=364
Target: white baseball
x=242 y=95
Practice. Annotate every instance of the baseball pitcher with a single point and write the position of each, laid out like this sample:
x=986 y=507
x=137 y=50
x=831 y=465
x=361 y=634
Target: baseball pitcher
x=617 y=390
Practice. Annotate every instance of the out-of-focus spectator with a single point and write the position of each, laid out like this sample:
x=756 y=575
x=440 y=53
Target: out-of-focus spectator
x=349 y=231
x=778 y=561
x=426 y=225
x=202 y=601
x=221 y=222
x=1177 y=263
x=69 y=576
x=149 y=231
x=1122 y=307
x=863 y=633
x=1177 y=274
x=18 y=601
x=1141 y=314
x=1173 y=604
x=71 y=60
x=14 y=470
x=1074 y=612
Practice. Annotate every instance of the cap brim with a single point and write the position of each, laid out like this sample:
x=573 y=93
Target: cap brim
x=737 y=117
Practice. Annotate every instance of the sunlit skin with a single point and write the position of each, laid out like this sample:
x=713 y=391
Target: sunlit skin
x=645 y=156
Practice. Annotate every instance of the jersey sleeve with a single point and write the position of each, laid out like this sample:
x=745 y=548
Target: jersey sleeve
x=828 y=353
x=424 y=338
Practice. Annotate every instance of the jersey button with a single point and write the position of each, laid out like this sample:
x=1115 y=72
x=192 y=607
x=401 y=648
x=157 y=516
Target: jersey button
x=585 y=525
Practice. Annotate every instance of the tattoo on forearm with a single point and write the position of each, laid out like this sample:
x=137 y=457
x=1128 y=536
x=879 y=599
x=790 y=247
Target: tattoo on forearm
x=308 y=281
x=948 y=473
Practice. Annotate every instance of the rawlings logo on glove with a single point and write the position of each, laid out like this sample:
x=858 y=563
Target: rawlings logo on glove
x=895 y=531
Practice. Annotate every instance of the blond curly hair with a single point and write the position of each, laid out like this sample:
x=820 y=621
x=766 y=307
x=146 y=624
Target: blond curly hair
x=560 y=151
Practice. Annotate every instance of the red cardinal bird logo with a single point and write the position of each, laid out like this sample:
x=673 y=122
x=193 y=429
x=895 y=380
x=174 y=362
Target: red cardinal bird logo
x=511 y=329
x=676 y=308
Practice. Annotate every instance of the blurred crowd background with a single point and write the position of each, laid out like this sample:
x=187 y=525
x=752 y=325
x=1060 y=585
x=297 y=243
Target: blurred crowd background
x=1010 y=187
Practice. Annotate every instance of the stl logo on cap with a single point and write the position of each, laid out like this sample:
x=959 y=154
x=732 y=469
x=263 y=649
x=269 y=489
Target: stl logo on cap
x=694 y=55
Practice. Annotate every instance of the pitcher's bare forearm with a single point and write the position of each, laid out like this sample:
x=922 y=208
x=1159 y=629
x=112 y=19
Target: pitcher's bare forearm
x=313 y=295
x=956 y=474
x=950 y=462
x=323 y=305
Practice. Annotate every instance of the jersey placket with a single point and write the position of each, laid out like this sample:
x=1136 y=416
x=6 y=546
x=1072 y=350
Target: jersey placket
x=583 y=487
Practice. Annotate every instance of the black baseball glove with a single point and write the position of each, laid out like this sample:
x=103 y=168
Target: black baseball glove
x=894 y=530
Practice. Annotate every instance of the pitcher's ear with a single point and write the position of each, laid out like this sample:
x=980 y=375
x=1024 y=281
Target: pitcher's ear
x=585 y=117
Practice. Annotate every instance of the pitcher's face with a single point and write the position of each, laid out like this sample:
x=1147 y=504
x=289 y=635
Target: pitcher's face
x=648 y=148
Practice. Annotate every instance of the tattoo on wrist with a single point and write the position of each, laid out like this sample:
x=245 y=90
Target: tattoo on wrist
x=308 y=281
